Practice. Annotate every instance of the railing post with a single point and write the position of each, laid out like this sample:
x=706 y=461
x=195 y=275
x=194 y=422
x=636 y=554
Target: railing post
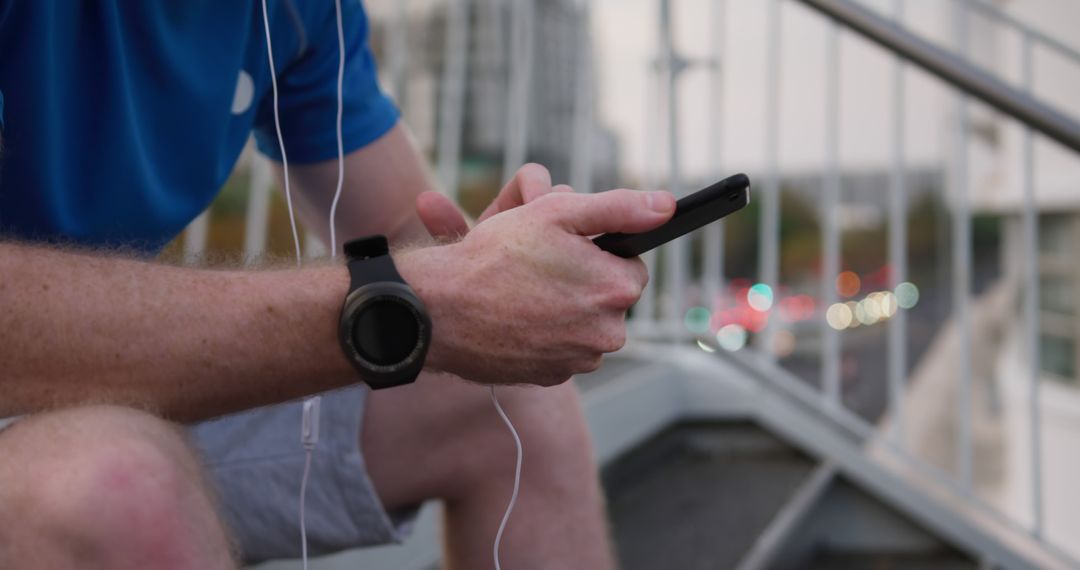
x=645 y=310
x=962 y=269
x=195 y=238
x=314 y=247
x=770 y=196
x=257 y=218
x=830 y=242
x=898 y=247
x=397 y=52
x=675 y=265
x=713 y=250
x=1031 y=299
x=452 y=101
x=522 y=46
x=581 y=159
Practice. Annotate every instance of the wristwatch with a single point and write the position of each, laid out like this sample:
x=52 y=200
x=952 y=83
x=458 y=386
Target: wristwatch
x=384 y=329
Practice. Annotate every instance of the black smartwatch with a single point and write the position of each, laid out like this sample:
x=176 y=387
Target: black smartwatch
x=384 y=329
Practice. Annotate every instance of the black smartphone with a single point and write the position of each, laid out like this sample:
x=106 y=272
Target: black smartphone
x=691 y=212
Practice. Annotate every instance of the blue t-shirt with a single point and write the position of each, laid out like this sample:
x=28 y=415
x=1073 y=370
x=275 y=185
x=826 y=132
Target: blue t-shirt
x=122 y=119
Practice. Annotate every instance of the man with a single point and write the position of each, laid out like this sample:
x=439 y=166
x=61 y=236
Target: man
x=120 y=121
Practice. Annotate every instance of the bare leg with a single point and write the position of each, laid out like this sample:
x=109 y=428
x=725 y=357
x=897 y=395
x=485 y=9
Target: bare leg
x=104 y=487
x=441 y=438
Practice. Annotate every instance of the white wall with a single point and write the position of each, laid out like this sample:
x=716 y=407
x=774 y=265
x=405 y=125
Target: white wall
x=1060 y=424
x=1056 y=81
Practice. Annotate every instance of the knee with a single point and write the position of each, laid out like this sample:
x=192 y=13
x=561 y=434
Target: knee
x=552 y=428
x=556 y=434
x=112 y=477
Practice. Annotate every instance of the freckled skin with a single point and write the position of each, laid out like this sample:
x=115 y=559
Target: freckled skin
x=250 y=335
x=526 y=295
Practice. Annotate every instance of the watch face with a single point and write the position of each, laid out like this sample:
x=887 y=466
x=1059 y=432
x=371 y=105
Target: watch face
x=386 y=331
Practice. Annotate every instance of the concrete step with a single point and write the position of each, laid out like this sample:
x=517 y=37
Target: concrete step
x=944 y=560
x=696 y=496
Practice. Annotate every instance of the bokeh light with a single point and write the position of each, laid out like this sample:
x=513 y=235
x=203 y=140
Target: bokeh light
x=839 y=316
x=860 y=314
x=731 y=337
x=848 y=284
x=872 y=308
x=854 y=308
x=760 y=297
x=701 y=344
x=907 y=295
x=888 y=304
x=797 y=308
x=697 y=320
x=783 y=343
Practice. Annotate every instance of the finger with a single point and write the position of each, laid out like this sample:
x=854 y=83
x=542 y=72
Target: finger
x=562 y=188
x=529 y=183
x=624 y=211
x=533 y=182
x=626 y=280
x=638 y=271
x=440 y=216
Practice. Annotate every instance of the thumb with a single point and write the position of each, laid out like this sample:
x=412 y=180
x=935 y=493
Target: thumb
x=622 y=211
x=440 y=216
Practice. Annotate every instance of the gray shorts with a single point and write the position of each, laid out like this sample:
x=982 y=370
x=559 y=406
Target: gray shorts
x=255 y=461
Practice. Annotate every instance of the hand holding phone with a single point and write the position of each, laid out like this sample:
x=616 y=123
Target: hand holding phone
x=691 y=212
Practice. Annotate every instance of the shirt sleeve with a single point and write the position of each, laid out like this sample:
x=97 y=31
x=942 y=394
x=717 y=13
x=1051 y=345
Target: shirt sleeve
x=307 y=94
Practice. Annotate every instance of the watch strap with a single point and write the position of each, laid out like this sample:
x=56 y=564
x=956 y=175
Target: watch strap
x=370 y=262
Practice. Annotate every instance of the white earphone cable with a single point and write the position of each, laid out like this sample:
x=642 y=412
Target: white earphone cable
x=517 y=477
x=303 y=493
x=333 y=253
x=277 y=127
x=309 y=442
x=340 y=141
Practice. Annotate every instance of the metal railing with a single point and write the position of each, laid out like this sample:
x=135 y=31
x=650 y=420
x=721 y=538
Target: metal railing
x=660 y=312
x=970 y=82
x=1017 y=102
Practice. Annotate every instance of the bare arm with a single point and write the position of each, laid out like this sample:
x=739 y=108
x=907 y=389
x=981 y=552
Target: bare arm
x=190 y=343
x=526 y=297
x=382 y=182
x=187 y=343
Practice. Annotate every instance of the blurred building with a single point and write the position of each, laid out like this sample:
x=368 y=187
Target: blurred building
x=558 y=55
x=998 y=152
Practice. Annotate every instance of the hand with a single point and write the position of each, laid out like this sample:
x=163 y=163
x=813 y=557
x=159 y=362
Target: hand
x=444 y=220
x=526 y=296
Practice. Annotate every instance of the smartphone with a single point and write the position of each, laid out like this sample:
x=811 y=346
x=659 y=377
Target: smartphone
x=691 y=212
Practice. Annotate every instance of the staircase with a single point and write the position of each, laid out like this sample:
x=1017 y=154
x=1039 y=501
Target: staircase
x=720 y=462
x=730 y=495
x=806 y=485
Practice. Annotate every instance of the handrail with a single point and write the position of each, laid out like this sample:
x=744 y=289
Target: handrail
x=954 y=70
x=995 y=13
